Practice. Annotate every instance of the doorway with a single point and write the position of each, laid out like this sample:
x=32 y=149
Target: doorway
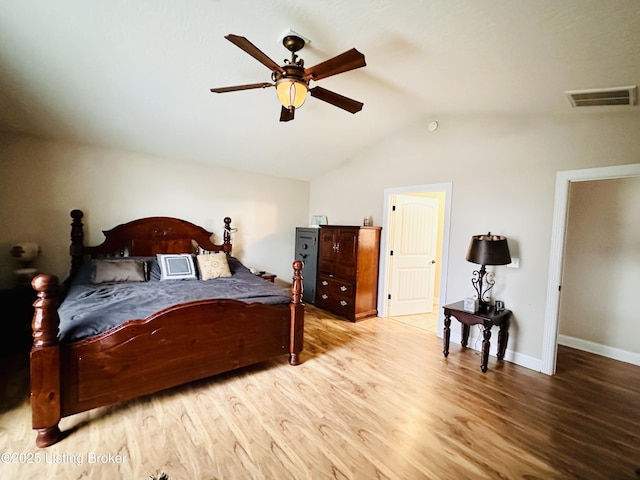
x=556 y=258
x=414 y=252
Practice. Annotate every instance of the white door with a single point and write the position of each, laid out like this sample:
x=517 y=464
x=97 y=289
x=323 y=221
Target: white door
x=413 y=241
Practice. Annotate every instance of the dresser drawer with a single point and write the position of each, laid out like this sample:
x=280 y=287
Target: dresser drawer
x=336 y=296
x=335 y=287
x=343 y=306
x=336 y=269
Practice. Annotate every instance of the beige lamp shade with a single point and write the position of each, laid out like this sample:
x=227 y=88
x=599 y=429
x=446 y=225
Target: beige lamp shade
x=25 y=252
x=291 y=92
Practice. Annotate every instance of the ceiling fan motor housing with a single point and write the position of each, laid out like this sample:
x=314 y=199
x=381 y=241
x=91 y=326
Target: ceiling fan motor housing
x=293 y=43
x=293 y=72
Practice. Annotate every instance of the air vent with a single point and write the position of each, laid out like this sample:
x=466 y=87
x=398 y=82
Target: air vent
x=603 y=97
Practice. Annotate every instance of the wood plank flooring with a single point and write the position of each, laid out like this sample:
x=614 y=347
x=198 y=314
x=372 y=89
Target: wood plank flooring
x=372 y=400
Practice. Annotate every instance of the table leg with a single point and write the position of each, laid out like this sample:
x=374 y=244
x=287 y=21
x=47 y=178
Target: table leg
x=485 y=348
x=465 y=334
x=447 y=334
x=503 y=338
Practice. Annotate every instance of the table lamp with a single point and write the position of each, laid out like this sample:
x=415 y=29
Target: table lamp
x=486 y=250
x=25 y=253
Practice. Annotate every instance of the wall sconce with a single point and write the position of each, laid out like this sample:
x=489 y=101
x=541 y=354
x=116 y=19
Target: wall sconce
x=486 y=250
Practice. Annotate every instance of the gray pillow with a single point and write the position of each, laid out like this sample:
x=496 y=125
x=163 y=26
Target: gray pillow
x=118 y=270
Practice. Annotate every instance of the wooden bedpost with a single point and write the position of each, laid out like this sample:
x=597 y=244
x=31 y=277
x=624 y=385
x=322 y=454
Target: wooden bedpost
x=45 y=362
x=77 y=242
x=227 y=235
x=297 y=315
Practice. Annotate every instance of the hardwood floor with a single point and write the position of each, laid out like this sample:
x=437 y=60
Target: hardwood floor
x=372 y=400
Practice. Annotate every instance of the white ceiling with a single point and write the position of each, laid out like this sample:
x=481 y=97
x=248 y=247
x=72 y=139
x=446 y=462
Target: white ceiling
x=135 y=74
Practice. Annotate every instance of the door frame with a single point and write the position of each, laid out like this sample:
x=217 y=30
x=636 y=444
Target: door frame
x=383 y=279
x=556 y=255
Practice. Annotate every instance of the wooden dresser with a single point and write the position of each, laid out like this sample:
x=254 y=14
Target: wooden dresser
x=347 y=282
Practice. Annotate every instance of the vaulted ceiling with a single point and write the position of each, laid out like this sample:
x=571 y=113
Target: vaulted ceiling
x=135 y=74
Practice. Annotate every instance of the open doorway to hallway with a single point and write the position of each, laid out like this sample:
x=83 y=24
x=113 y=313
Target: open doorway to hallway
x=414 y=252
x=557 y=260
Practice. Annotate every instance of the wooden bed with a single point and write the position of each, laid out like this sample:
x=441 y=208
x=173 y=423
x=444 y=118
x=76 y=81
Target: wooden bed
x=177 y=345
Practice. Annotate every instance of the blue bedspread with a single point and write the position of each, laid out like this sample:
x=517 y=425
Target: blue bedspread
x=90 y=309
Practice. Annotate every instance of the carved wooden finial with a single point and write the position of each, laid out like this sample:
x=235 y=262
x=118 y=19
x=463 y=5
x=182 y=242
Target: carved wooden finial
x=45 y=317
x=77 y=214
x=77 y=241
x=77 y=234
x=44 y=283
x=296 y=285
x=296 y=339
x=227 y=234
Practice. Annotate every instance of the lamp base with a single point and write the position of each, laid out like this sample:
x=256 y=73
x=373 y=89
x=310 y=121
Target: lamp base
x=482 y=282
x=484 y=307
x=24 y=276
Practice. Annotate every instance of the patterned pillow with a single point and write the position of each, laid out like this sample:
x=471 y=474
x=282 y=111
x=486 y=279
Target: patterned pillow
x=177 y=266
x=213 y=265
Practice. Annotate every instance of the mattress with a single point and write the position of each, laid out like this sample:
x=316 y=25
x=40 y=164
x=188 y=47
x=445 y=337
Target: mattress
x=89 y=309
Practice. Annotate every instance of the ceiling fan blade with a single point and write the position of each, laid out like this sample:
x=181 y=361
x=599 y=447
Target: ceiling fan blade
x=286 y=114
x=336 y=99
x=254 y=51
x=344 y=62
x=241 y=87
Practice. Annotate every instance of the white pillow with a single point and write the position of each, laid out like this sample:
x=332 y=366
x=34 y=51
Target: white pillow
x=178 y=266
x=213 y=265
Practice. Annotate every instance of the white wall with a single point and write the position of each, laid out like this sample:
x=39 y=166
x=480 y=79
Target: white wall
x=503 y=174
x=42 y=181
x=601 y=271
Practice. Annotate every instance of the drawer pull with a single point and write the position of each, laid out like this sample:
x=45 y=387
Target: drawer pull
x=325 y=283
x=343 y=303
x=343 y=288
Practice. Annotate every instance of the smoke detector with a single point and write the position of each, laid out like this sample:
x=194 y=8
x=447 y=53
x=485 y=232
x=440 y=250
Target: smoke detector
x=598 y=97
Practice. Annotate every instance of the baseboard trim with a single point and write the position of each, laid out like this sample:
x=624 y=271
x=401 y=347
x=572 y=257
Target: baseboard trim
x=599 y=349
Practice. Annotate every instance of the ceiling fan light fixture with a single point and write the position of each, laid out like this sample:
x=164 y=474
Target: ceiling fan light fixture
x=292 y=92
x=292 y=79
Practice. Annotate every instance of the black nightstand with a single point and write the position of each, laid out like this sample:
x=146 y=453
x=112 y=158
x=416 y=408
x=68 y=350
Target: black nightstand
x=488 y=318
x=17 y=313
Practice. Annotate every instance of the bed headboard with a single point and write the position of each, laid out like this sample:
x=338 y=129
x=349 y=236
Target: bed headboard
x=145 y=237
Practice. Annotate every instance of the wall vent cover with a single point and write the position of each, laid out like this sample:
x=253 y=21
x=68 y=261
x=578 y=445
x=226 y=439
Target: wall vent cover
x=598 y=97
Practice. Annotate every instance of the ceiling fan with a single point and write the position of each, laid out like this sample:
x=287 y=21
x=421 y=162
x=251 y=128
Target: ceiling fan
x=292 y=79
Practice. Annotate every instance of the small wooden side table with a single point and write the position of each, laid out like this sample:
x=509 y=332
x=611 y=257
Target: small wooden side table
x=15 y=319
x=488 y=318
x=268 y=276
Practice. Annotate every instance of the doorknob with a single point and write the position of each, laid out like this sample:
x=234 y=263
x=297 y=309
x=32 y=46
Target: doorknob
x=433 y=261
